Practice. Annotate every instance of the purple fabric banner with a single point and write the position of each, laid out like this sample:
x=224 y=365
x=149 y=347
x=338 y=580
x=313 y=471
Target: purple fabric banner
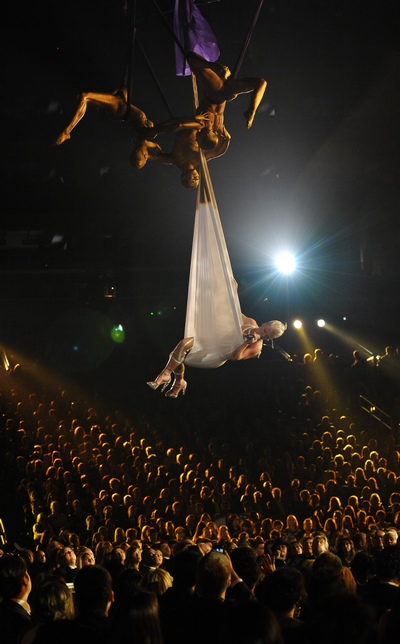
x=194 y=33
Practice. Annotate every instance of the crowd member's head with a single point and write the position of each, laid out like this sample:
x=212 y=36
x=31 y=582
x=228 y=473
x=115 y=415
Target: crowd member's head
x=320 y=544
x=15 y=587
x=390 y=537
x=85 y=557
x=295 y=552
x=52 y=600
x=292 y=524
x=257 y=544
x=15 y=582
x=283 y=591
x=67 y=557
x=118 y=555
x=279 y=550
x=185 y=566
x=127 y=587
x=345 y=549
x=204 y=545
x=377 y=539
x=141 y=621
x=164 y=547
x=102 y=552
x=388 y=564
x=326 y=578
x=363 y=568
x=306 y=543
x=213 y=575
x=93 y=590
x=133 y=556
x=360 y=541
x=179 y=546
x=156 y=581
x=157 y=557
x=180 y=533
x=245 y=565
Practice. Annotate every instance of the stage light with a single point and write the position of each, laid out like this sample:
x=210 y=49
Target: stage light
x=321 y=323
x=285 y=263
x=110 y=290
x=297 y=324
x=118 y=334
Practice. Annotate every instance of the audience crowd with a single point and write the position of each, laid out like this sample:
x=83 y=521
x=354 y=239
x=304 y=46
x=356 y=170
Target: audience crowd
x=130 y=530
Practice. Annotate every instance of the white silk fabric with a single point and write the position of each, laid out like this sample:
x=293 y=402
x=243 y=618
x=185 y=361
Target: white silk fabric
x=213 y=315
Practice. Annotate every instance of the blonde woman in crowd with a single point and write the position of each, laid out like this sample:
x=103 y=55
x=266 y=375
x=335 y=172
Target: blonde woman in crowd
x=103 y=550
x=84 y=557
x=156 y=581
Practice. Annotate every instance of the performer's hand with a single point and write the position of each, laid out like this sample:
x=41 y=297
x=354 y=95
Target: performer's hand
x=202 y=118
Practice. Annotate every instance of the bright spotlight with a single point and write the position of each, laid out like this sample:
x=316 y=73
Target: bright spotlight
x=285 y=263
x=321 y=323
x=297 y=324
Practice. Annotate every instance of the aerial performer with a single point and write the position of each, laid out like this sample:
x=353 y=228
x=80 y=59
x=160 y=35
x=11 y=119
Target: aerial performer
x=197 y=52
x=185 y=153
x=219 y=87
x=116 y=106
x=251 y=347
x=142 y=129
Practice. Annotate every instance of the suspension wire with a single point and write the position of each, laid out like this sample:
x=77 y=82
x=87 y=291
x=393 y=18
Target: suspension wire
x=247 y=41
x=171 y=31
x=154 y=77
x=129 y=65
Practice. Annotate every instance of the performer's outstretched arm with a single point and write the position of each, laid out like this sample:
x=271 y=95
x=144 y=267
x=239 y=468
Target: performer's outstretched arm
x=178 y=123
x=249 y=349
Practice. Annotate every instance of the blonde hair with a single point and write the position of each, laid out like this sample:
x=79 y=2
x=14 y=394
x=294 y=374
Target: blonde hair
x=278 y=328
x=156 y=581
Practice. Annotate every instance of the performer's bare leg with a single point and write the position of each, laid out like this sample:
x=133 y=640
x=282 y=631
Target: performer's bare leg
x=179 y=384
x=176 y=366
x=114 y=104
x=218 y=85
x=258 y=87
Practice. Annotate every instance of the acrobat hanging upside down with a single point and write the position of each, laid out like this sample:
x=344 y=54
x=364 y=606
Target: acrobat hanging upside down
x=219 y=87
x=185 y=152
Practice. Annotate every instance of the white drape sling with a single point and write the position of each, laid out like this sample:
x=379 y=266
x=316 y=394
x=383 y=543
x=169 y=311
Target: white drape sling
x=213 y=315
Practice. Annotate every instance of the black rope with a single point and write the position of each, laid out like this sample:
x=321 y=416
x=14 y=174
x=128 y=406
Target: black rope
x=128 y=72
x=153 y=75
x=132 y=34
x=247 y=41
x=171 y=31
